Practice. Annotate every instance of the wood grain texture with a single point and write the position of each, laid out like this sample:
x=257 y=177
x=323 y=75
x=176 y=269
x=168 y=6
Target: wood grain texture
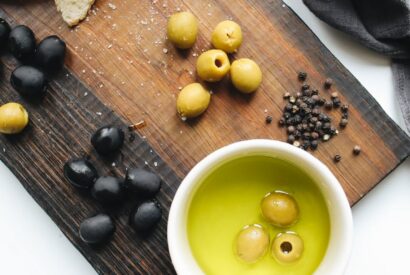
x=60 y=128
x=123 y=57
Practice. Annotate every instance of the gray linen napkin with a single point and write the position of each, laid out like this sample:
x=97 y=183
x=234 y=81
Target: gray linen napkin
x=381 y=25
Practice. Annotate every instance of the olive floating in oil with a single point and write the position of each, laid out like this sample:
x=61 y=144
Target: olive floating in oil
x=108 y=190
x=287 y=247
x=145 y=216
x=107 y=140
x=97 y=229
x=80 y=173
x=252 y=243
x=144 y=183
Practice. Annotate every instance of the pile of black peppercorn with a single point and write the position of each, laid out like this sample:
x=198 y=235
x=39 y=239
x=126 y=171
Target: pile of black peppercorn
x=304 y=119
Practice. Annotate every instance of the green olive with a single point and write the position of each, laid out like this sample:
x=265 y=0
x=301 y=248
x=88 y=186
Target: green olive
x=246 y=75
x=280 y=209
x=193 y=100
x=287 y=247
x=212 y=65
x=227 y=36
x=182 y=29
x=13 y=118
x=252 y=243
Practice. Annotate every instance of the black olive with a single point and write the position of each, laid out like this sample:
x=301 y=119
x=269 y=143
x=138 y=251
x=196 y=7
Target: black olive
x=97 y=229
x=142 y=182
x=107 y=140
x=145 y=216
x=22 y=43
x=50 y=54
x=4 y=32
x=29 y=81
x=80 y=173
x=108 y=190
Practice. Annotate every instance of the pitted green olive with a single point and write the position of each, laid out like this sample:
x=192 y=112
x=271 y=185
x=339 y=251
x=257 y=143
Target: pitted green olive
x=280 y=209
x=252 y=243
x=182 y=29
x=287 y=247
x=246 y=75
x=193 y=100
x=212 y=65
x=227 y=36
x=13 y=118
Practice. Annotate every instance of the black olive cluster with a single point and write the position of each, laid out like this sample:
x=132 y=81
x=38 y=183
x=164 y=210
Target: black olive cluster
x=110 y=191
x=37 y=62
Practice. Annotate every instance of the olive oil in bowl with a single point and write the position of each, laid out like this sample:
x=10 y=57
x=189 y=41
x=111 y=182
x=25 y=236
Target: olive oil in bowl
x=230 y=198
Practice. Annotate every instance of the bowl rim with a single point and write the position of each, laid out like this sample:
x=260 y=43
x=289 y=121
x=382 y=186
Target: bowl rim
x=341 y=234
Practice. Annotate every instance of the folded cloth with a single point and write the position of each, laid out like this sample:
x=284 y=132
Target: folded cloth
x=381 y=25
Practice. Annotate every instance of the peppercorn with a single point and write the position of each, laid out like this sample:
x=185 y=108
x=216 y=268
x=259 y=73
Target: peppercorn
x=281 y=122
x=306 y=135
x=307 y=92
x=297 y=134
x=326 y=137
x=296 y=143
x=328 y=83
x=288 y=107
x=315 y=112
x=336 y=102
x=291 y=139
x=326 y=118
x=286 y=95
x=315 y=98
x=318 y=125
x=268 y=119
x=298 y=94
x=295 y=109
x=345 y=108
x=328 y=105
x=321 y=101
x=297 y=119
x=333 y=130
x=345 y=115
x=315 y=92
x=302 y=76
x=292 y=99
x=314 y=135
x=305 y=87
x=305 y=145
x=357 y=150
x=313 y=144
x=343 y=122
x=337 y=158
x=291 y=129
x=326 y=126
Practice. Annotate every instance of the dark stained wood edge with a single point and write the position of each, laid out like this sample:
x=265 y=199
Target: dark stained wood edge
x=60 y=128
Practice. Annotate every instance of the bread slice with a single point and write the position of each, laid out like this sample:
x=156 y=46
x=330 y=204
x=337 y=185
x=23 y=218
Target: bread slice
x=74 y=11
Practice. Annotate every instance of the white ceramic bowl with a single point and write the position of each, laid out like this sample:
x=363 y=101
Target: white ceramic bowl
x=341 y=224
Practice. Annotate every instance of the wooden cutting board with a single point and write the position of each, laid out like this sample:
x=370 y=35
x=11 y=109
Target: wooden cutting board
x=121 y=69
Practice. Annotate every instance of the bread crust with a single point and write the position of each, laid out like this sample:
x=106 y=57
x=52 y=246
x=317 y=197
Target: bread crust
x=73 y=11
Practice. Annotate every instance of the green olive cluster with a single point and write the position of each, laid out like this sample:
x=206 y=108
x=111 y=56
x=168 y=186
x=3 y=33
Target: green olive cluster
x=212 y=65
x=279 y=209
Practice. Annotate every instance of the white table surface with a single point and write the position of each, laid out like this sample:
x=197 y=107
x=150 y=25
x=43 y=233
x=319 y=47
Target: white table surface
x=30 y=243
